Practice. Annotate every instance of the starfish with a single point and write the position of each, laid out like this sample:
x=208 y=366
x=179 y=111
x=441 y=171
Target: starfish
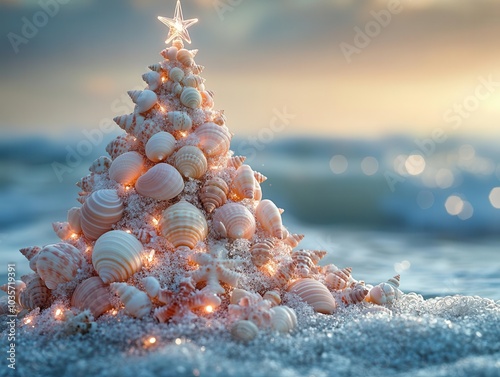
x=178 y=26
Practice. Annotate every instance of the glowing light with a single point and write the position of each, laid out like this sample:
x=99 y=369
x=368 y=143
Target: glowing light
x=128 y=231
x=402 y=266
x=58 y=312
x=127 y=188
x=162 y=109
x=87 y=249
x=74 y=235
x=415 y=164
x=114 y=312
x=369 y=165
x=178 y=341
x=163 y=79
x=209 y=309
x=155 y=221
x=270 y=269
x=454 y=205
x=27 y=321
x=444 y=178
x=183 y=133
x=151 y=255
x=338 y=164
x=466 y=212
x=495 y=197
x=178 y=26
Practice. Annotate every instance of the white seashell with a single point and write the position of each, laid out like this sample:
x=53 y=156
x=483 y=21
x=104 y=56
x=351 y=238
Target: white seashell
x=259 y=177
x=213 y=194
x=126 y=168
x=92 y=294
x=173 y=87
x=137 y=303
x=315 y=294
x=261 y=252
x=305 y=261
x=122 y=144
x=151 y=285
x=190 y=97
x=273 y=297
x=117 y=256
x=160 y=146
x=339 y=280
x=171 y=53
x=100 y=211
x=31 y=254
x=191 y=162
x=235 y=161
x=214 y=140
x=381 y=294
x=63 y=230
x=355 y=294
x=244 y=331
x=181 y=121
x=197 y=69
x=207 y=101
x=35 y=295
x=283 y=319
x=144 y=99
x=185 y=57
x=131 y=123
x=269 y=217
x=58 y=263
x=183 y=225
x=237 y=294
x=234 y=220
x=74 y=219
x=293 y=240
x=394 y=281
x=176 y=74
x=17 y=287
x=257 y=192
x=153 y=79
x=155 y=67
x=193 y=81
x=244 y=183
x=100 y=165
x=161 y=182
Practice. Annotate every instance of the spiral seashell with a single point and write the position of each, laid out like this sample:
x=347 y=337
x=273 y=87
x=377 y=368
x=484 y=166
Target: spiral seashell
x=100 y=165
x=176 y=74
x=161 y=182
x=394 y=281
x=214 y=140
x=237 y=294
x=269 y=217
x=144 y=99
x=244 y=331
x=35 y=295
x=190 y=97
x=160 y=146
x=181 y=121
x=244 y=183
x=213 y=194
x=207 y=101
x=155 y=67
x=173 y=87
x=126 y=168
x=183 y=225
x=170 y=53
x=137 y=303
x=100 y=211
x=122 y=144
x=92 y=294
x=153 y=79
x=63 y=230
x=74 y=219
x=31 y=254
x=193 y=81
x=283 y=319
x=234 y=220
x=305 y=261
x=261 y=252
x=131 y=123
x=339 y=280
x=117 y=256
x=235 y=161
x=58 y=263
x=381 y=294
x=354 y=294
x=257 y=192
x=185 y=57
x=197 y=69
x=293 y=240
x=315 y=294
x=191 y=162
x=18 y=287
x=273 y=297
x=152 y=286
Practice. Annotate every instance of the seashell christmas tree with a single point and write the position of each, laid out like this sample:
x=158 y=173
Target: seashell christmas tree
x=172 y=225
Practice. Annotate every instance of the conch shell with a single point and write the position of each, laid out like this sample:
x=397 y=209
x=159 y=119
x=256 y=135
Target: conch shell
x=92 y=294
x=100 y=211
x=339 y=280
x=58 y=263
x=160 y=146
x=144 y=99
x=161 y=182
x=234 y=220
x=122 y=144
x=100 y=165
x=131 y=123
x=126 y=168
x=153 y=79
x=261 y=252
x=31 y=254
x=213 y=194
x=137 y=303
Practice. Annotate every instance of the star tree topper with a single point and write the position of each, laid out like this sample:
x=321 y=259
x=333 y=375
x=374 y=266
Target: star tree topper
x=178 y=26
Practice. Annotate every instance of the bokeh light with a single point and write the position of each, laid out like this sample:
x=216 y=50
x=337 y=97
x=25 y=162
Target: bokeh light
x=415 y=164
x=495 y=197
x=454 y=205
x=466 y=212
x=444 y=178
x=369 y=165
x=338 y=164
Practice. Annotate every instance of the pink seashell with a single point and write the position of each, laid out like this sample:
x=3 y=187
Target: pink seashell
x=381 y=294
x=305 y=261
x=58 y=263
x=183 y=225
x=214 y=140
x=293 y=240
x=274 y=297
x=339 y=280
x=213 y=194
x=207 y=101
x=191 y=162
x=122 y=144
x=75 y=219
x=31 y=254
x=180 y=120
x=315 y=294
x=269 y=217
x=148 y=129
x=132 y=123
x=234 y=220
x=100 y=165
x=99 y=212
x=126 y=168
x=257 y=192
x=35 y=295
x=92 y=294
x=283 y=319
x=137 y=303
x=191 y=97
x=160 y=146
x=153 y=79
x=17 y=287
x=259 y=177
x=355 y=294
x=87 y=182
x=197 y=69
x=161 y=182
x=144 y=99
x=244 y=183
x=63 y=230
x=236 y=161
x=261 y=252
x=185 y=57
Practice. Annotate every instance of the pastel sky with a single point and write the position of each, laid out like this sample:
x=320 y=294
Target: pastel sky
x=432 y=65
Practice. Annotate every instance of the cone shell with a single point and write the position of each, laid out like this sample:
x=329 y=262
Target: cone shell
x=35 y=295
x=144 y=99
x=315 y=294
x=259 y=177
x=31 y=254
x=261 y=252
x=75 y=219
x=193 y=81
x=190 y=97
x=234 y=220
x=269 y=217
x=181 y=121
x=191 y=162
x=236 y=161
x=126 y=168
x=117 y=256
x=122 y=144
x=161 y=182
x=185 y=57
x=153 y=79
x=92 y=294
x=244 y=183
x=100 y=211
x=58 y=263
x=100 y=165
x=214 y=140
x=354 y=294
x=183 y=225
x=283 y=319
x=151 y=285
x=137 y=303
x=213 y=194
x=160 y=146
x=176 y=74
x=132 y=123
x=244 y=331
x=293 y=240
x=339 y=280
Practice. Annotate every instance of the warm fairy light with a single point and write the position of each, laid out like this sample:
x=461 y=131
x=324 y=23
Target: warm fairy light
x=270 y=269
x=74 y=235
x=87 y=249
x=151 y=255
x=155 y=221
x=27 y=321
x=128 y=231
x=163 y=79
x=182 y=133
x=58 y=312
x=178 y=341
x=152 y=340
x=162 y=109
x=127 y=188
x=209 y=308
x=114 y=312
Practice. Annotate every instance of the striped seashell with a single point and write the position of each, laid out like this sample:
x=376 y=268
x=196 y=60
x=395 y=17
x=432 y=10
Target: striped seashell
x=144 y=99
x=283 y=274
x=122 y=144
x=58 y=263
x=137 y=303
x=161 y=182
x=181 y=121
x=173 y=87
x=117 y=256
x=214 y=140
x=191 y=97
x=244 y=331
x=381 y=294
x=234 y=220
x=153 y=79
x=283 y=319
x=259 y=177
x=244 y=183
x=126 y=168
x=63 y=230
x=354 y=294
x=152 y=286
x=315 y=294
x=191 y=162
x=269 y=217
x=35 y=295
x=183 y=225
x=100 y=165
x=293 y=240
x=155 y=67
x=131 y=123
x=31 y=254
x=235 y=161
x=92 y=294
x=339 y=280
x=75 y=219
x=213 y=194
x=305 y=261
x=197 y=69
x=261 y=252
x=185 y=57
x=160 y=146
x=273 y=297
x=18 y=287
x=176 y=74
x=193 y=81
x=257 y=192
x=237 y=294
x=100 y=211
x=207 y=100
x=87 y=182
x=394 y=281
x=149 y=129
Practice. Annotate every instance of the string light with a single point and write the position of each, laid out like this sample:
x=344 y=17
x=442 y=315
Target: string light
x=209 y=308
x=155 y=221
x=178 y=341
x=58 y=313
x=128 y=231
x=74 y=235
x=114 y=312
x=162 y=109
x=182 y=133
x=149 y=342
x=27 y=321
x=151 y=255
